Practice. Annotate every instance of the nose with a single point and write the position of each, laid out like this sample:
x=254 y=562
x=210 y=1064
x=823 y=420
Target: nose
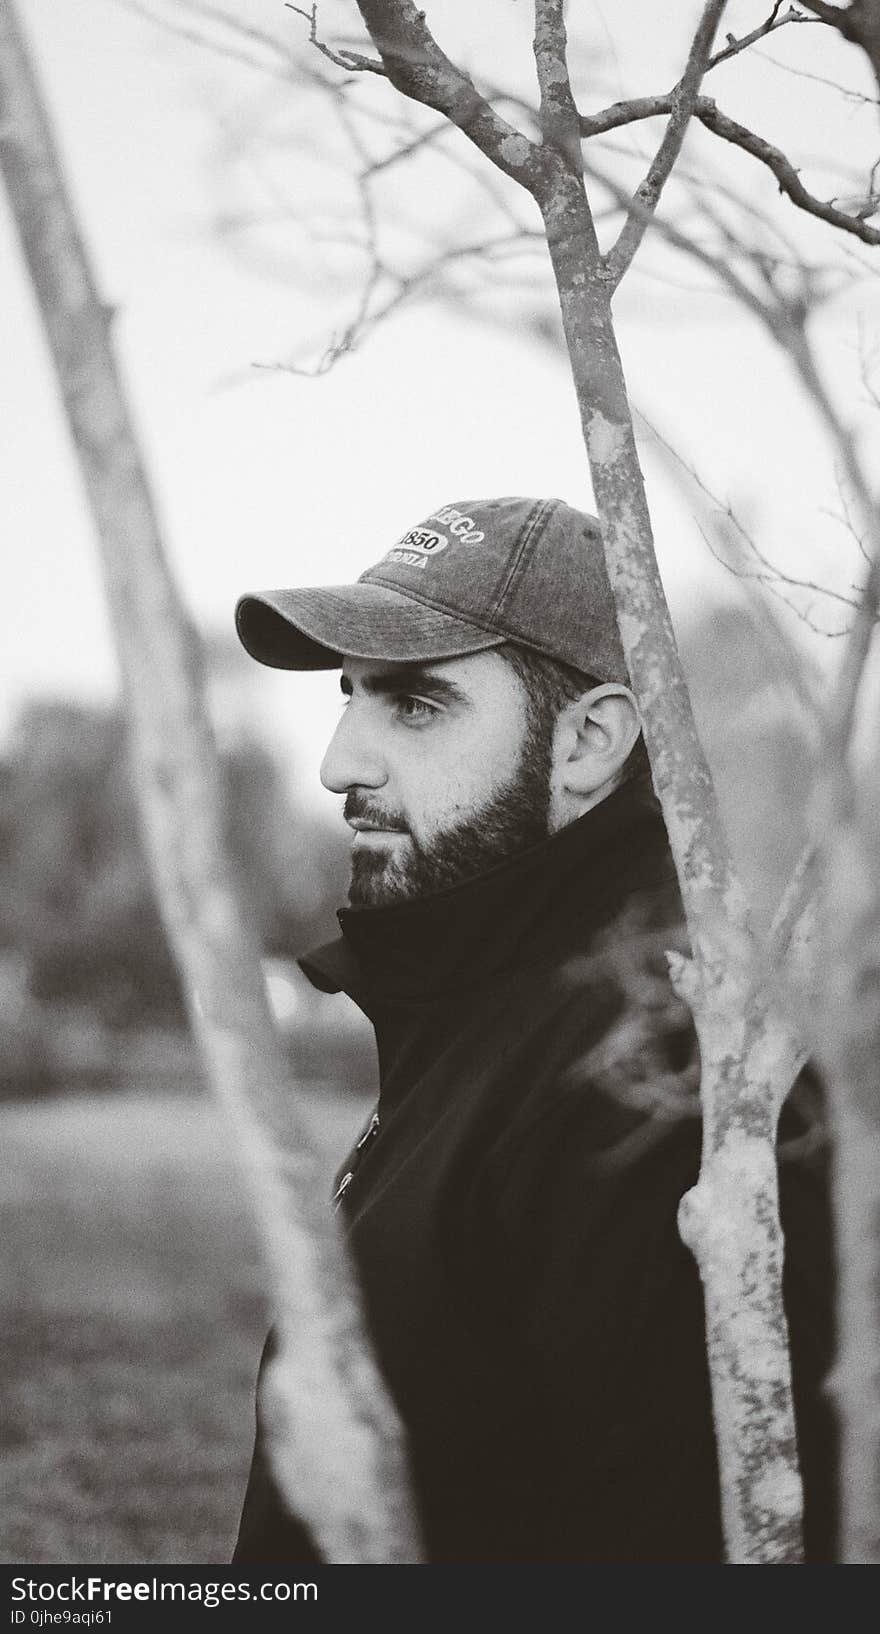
x=352 y=759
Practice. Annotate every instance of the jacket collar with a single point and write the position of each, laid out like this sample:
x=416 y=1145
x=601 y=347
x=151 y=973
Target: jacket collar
x=541 y=903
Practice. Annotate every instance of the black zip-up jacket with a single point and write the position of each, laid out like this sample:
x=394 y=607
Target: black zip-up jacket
x=512 y=1213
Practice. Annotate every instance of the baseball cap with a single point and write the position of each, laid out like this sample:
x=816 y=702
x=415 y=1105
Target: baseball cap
x=472 y=575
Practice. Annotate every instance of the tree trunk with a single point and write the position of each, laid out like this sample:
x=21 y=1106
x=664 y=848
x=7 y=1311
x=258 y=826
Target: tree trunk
x=730 y=1220
x=848 y=1044
x=338 y=1446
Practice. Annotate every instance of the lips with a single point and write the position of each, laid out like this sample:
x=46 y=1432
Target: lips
x=365 y=818
x=361 y=827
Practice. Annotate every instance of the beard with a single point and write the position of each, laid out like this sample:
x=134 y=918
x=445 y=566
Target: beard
x=515 y=817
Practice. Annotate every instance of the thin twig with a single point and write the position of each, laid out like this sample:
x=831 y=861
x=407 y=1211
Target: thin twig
x=407 y=288
x=794 y=902
x=845 y=91
x=211 y=14
x=683 y=99
x=220 y=47
x=421 y=140
x=774 y=21
x=351 y=61
x=786 y=318
x=767 y=572
x=688 y=246
x=846 y=521
x=845 y=701
x=803 y=680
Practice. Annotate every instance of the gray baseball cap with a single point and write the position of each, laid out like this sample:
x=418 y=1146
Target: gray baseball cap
x=472 y=575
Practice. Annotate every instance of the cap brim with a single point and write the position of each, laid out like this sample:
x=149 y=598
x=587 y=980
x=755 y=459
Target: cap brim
x=314 y=629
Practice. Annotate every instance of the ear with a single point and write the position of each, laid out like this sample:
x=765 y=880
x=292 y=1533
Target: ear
x=594 y=737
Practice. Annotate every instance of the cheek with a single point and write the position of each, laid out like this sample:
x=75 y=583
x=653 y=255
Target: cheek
x=451 y=783
x=435 y=798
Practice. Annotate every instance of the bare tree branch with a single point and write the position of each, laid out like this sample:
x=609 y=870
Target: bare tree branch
x=774 y=21
x=422 y=139
x=213 y=15
x=797 y=900
x=416 y=66
x=785 y=316
x=858 y=646
x=689 y=246
x=233 y=51
x=847 y=92
x=559 y=115
x=406 y=288
x=767 y=574
x=787 y=176
x=683 y=98
x=705 y=110
x=800 y=674
x=352 y=61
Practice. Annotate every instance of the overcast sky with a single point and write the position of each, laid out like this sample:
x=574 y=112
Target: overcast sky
x=266 y=478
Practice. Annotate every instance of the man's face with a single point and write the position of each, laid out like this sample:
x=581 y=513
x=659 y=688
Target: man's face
x=441 y=774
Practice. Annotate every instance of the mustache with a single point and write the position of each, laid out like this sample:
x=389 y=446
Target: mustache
x=358 y=807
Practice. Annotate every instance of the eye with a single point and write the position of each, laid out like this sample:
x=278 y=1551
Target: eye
x=407 y=707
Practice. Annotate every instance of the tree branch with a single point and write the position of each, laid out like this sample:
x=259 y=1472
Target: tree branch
x=768 y=574
x=350 y=60
x=711 y=889
x=683 y=99
x=420 y=140
x=419 y=69
x=844 y=703
x=281 y=69
x=705 y=110
x=848 y=93
x=559 y=115
x=774 y=21
x=405 y=288
x=796 y=903
x=785 y=318
x=784 y=171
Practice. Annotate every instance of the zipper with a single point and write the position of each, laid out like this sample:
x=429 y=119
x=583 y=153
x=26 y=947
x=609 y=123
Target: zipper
x=369 y=1134
x=371 y=1130
x=341 y=1189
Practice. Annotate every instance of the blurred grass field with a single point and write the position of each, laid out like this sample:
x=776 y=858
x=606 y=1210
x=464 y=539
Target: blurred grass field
x=133 y=1314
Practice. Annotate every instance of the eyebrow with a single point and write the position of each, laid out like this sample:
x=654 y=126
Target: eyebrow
x=409 y=678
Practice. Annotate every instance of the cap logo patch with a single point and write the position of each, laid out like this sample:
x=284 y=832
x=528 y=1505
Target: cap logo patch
x=424 y=541
x=417 y=547
x=459 y=524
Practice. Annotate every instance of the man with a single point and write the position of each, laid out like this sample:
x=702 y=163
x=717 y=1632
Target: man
x=511 y=1206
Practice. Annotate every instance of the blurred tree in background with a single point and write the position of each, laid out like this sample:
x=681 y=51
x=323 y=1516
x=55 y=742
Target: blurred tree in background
x=80 y=932
x=268 y=837
x=79 y=901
